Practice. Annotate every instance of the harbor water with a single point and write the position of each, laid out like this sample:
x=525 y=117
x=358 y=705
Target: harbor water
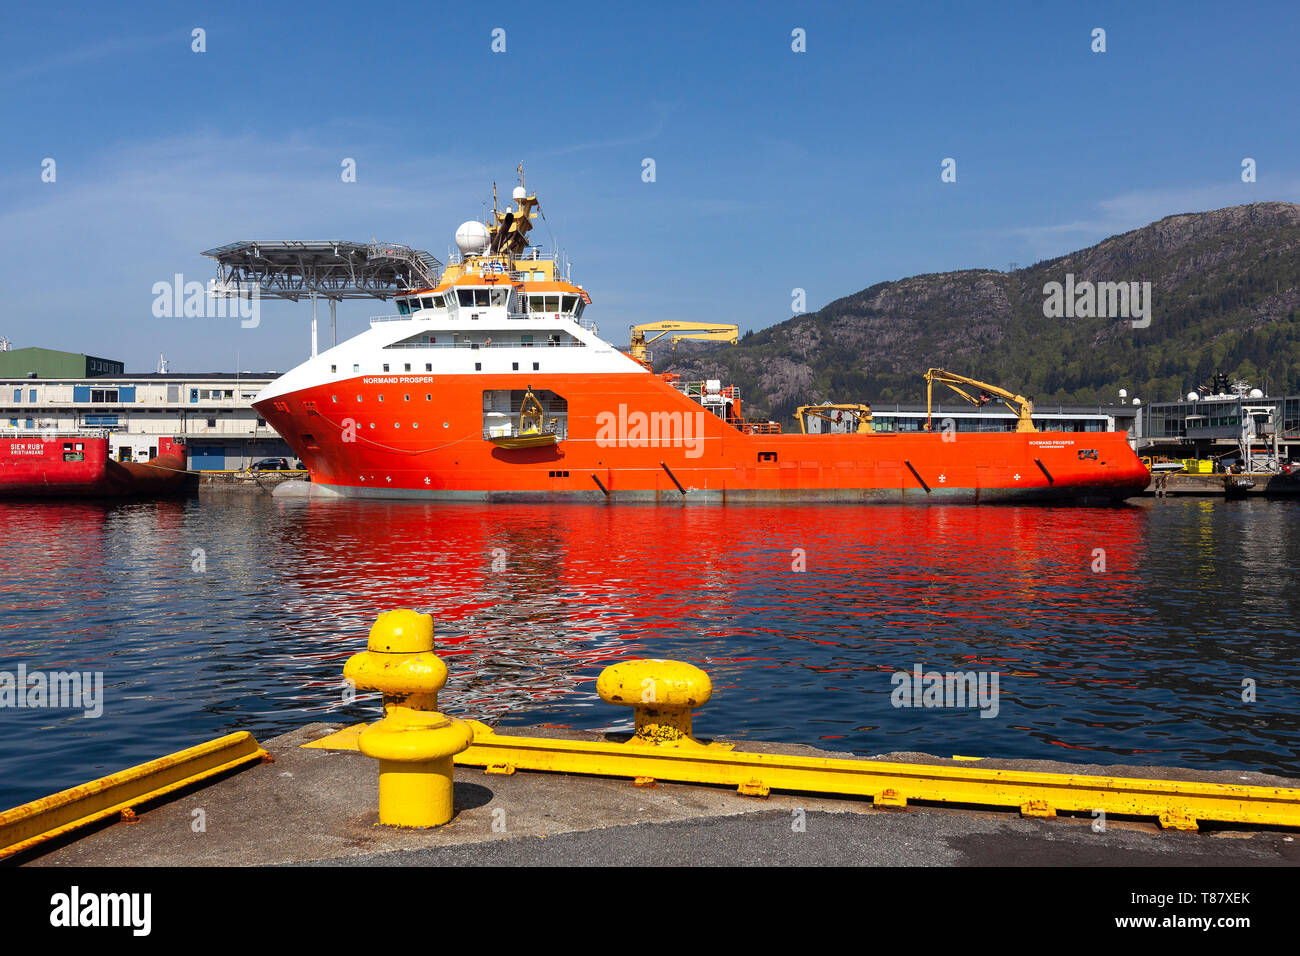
x=1159 y=633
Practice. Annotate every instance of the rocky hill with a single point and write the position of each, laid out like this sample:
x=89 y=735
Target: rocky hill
x=1224 y=293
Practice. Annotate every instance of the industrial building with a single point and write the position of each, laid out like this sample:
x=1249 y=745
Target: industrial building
x=48 y=363
x=212 y=412
x=1228 y=427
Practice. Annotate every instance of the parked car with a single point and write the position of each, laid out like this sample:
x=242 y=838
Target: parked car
x=270 y=464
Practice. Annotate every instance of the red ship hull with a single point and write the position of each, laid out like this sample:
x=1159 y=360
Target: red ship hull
x=80 y=467
x=422 y=436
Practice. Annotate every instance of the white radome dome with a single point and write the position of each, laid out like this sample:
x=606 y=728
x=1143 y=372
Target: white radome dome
x=1192 y=396
x=1256 y=393
x=1137 y=401
x=472 y=238
x=519 y=193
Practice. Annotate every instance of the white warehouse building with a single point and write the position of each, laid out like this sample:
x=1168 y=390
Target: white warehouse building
x=211 y=412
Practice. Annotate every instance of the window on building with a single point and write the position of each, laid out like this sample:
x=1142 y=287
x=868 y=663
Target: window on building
x=212 y=423
x=31 y=395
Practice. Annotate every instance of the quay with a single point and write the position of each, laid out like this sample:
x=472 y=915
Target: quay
x=1251 y=485
x=456 y=792
x=314 y=806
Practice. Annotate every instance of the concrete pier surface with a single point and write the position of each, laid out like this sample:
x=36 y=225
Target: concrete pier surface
x=1212 y=486
x=320 y=807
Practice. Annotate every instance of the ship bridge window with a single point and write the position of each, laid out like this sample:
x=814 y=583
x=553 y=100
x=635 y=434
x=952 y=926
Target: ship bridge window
x=570 y=303
x=544 y=303
x=438 y=302
x=403 y=308
x=426 y=302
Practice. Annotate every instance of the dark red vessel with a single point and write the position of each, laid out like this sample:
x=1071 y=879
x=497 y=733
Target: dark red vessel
x=79 y=466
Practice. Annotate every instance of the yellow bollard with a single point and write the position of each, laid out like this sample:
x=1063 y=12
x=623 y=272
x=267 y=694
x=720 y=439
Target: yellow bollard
x=662 y=695
x=414 y=744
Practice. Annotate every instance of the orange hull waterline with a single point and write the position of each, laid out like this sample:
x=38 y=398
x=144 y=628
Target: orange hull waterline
x=494 y=386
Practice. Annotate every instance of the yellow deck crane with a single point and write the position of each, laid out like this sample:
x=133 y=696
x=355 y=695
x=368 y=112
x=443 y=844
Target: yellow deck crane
x=710 y=331
x=859 y=416
x=1022 y=406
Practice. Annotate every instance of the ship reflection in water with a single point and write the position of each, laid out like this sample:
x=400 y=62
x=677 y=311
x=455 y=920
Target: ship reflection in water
x=220 y=613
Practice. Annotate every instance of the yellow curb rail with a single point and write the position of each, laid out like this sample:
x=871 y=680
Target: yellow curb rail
x=1176 y=804
x=662 y=694
x=118 y=794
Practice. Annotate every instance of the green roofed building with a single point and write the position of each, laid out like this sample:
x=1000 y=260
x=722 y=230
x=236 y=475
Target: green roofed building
x=48 y=363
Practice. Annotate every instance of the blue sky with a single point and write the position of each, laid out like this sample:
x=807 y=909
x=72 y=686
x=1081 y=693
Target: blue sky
x=775 y=170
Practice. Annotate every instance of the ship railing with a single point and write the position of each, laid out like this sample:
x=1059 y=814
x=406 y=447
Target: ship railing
x=511 y=430
x=699 y=391
x=587 y=324
x=532 y=254
x=56 y=433
x=761 y=428
x=487 y=345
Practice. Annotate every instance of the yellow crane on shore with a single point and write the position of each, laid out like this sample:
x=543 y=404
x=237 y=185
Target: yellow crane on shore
x=709 y=331
x=1023 y=407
